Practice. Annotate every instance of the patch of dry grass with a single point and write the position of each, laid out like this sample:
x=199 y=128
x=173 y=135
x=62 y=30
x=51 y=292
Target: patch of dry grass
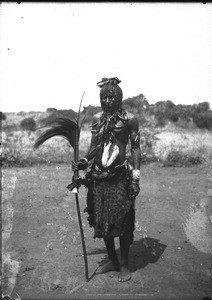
x=195 y=143
x=17 y=146
x=14 y=120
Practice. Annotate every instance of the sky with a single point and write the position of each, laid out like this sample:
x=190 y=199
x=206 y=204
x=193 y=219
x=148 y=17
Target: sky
x=52 y=53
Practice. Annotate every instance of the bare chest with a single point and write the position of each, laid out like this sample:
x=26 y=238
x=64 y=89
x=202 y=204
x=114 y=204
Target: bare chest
x=114 y=131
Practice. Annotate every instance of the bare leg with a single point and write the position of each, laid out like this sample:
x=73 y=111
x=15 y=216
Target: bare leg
x=113 y=264
x=125 y=242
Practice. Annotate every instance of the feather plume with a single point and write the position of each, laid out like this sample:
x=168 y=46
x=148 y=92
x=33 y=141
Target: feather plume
x=59 y=127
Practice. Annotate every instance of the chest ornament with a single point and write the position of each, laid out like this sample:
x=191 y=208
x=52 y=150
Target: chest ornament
x=106 y=126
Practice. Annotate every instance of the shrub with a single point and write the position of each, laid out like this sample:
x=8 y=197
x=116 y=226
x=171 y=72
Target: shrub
x=51 y=110
x=3 y=117
x=54 y=114
x=177 y=158
x=173 y=115
x=21 y=113
x=28 y=124
x=161 y=119
x=203 y=120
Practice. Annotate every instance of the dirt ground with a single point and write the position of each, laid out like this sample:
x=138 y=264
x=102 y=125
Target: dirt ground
x=169 y=259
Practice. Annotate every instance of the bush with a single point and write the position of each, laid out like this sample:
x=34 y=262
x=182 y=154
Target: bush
x=22 y=113
x=10 y=160
x=161 y=119
x=51 y=110
x=55 y=114
x=28 y=124
x=203 y=120
x=177 y=158
x=173 y=115
x=3 y=117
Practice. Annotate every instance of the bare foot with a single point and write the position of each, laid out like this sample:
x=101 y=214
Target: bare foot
x=109 y=266
x=124 y=274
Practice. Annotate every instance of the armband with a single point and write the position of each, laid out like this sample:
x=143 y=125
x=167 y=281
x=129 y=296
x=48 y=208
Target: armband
x=135 y=140
x=136 y=174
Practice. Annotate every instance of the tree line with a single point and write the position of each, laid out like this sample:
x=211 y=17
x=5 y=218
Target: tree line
x=158 y=114
x=161 y=112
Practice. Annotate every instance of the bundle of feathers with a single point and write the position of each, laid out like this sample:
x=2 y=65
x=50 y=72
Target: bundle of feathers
x=64 y=127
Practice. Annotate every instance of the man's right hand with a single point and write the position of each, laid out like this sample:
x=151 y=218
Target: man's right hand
x=82 y=164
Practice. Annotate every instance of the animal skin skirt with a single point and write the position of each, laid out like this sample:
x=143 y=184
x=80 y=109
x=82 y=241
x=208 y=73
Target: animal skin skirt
x=111 y=211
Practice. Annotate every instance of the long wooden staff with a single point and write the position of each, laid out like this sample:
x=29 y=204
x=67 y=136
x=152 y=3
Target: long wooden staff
x=75 y=190
x=70 y=130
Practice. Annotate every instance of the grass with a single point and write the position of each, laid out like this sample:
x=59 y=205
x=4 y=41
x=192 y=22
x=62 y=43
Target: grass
x=194 y=144
x=170 y=145
x=18 y=149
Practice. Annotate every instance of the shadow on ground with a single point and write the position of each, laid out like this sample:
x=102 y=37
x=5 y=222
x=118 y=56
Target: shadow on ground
x=142 y=252
x=145 y=251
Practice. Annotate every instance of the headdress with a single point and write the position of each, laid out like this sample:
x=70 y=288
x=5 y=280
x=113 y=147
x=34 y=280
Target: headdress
x=112 y=80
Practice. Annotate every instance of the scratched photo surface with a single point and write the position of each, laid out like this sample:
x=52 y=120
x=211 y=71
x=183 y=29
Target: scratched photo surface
x=53 y=56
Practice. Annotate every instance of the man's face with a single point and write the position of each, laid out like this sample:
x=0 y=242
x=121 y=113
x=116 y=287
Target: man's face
x=109 y=104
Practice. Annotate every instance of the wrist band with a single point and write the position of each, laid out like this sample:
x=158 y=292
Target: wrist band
x=135 y=181
x=86 y=160
x=136 y=174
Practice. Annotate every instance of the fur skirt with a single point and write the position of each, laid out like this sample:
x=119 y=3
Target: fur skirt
x=109 y=206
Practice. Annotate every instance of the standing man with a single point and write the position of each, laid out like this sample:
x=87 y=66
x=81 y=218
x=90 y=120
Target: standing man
x=112 y=182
